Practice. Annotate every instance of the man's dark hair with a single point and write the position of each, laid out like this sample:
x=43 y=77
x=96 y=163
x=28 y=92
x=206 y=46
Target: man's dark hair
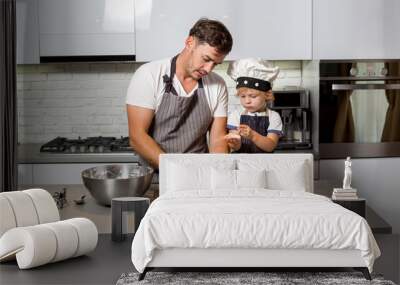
x=213 y=33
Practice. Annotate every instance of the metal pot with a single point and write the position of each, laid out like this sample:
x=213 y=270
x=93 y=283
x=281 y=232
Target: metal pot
x=118 y=180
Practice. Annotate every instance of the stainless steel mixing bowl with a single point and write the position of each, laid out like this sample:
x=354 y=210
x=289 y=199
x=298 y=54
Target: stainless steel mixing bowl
x=118 y=180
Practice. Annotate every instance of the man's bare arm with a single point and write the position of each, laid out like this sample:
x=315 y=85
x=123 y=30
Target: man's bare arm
x=218 y=143
x=139 y=122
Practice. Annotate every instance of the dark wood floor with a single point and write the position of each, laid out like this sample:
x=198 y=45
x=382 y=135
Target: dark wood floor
x=102 y=266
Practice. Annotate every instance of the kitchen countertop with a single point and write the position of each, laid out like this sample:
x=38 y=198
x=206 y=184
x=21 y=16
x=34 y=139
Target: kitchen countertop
x=99 y=214
x=30 y=153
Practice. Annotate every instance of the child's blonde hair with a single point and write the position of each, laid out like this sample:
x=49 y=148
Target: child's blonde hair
x=255 y=91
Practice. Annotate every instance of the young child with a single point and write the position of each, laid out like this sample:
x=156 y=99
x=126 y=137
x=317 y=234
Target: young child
x=255 y=128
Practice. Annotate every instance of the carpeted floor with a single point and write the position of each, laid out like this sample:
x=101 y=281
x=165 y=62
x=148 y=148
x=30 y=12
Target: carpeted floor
x=243 y=278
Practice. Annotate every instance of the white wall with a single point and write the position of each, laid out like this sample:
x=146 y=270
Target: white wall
x=376 y=179
x=84 y=99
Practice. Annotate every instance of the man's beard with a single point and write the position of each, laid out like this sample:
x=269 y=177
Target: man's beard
x=192 y=73
x=190 y=70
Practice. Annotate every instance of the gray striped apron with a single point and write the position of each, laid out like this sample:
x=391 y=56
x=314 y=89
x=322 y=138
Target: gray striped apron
x=180 y=124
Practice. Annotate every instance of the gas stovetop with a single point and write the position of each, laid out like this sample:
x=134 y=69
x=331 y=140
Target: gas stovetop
x=87 y=145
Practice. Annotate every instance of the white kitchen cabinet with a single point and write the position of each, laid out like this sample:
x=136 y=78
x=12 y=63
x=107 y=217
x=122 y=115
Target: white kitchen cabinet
x=356 y=29
x=44 y=174
x=260 y=28
x=86 y=27
x=27 y=26
x=25 y=174
x=63 y=173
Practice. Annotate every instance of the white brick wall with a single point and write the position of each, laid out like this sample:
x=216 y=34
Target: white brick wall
x=82 y=99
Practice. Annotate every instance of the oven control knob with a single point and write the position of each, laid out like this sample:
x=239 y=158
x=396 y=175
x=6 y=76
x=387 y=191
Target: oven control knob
x=384 y=71
x=82 y=148
x=92 y=148
x=353 y=71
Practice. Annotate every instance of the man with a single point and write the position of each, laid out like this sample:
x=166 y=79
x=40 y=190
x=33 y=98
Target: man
x=173 y=103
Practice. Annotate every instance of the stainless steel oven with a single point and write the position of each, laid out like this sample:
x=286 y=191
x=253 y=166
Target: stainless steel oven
x=359 y=108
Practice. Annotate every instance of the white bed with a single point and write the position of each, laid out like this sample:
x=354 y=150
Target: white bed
x=247 y=210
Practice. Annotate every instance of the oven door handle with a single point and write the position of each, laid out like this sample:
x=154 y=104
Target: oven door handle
x=367 y=86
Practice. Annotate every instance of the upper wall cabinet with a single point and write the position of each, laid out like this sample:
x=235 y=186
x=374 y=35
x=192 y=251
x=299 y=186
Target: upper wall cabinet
x=356 y=29
x=86 y=27
x=260 y=28
x=27 y=32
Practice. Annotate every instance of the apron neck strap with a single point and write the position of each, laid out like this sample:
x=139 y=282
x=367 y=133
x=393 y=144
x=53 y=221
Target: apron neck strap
x=169 y=80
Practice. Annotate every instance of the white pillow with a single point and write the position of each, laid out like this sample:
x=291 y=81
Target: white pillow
x=281 y=174
x=236 y=179
x=183 y=178
x=292 y=179
x=251 y=178
x=189 y=176
x=223 y=179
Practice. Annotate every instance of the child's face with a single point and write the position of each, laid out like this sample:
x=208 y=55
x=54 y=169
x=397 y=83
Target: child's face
x=252 y=100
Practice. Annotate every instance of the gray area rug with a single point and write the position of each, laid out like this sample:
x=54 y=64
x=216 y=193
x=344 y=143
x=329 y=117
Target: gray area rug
x=273 y=278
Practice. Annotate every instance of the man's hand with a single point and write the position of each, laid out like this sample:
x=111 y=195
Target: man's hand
x=233 y=139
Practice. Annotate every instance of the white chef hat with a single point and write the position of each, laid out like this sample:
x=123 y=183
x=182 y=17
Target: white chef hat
x=253 y=73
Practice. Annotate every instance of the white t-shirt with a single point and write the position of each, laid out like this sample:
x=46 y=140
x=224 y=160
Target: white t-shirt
x=275 y=122
x=147 y=88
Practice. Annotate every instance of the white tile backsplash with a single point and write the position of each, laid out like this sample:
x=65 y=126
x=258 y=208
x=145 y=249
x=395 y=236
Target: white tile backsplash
x=31 y=77
x=59 y=76
x=88 y=99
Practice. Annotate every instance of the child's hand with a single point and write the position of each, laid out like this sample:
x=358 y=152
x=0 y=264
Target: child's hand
x=245 y=131
x=234 y=141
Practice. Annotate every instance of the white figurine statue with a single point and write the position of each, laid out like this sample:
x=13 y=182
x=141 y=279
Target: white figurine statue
x=347 y=174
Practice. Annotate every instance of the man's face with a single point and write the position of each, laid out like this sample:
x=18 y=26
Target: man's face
x=203 y=58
